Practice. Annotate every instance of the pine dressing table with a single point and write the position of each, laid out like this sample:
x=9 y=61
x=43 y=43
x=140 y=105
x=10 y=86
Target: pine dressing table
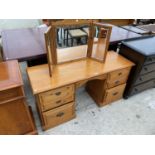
x=56 y=96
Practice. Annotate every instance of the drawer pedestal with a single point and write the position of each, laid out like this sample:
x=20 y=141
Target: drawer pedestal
x=15 y=115
x=106 y=91
x=56 y=106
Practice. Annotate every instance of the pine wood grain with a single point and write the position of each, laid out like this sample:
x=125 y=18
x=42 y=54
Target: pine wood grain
x=72 y=72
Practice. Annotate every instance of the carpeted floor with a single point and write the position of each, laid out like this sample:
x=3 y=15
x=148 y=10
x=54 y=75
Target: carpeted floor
x=132 y=116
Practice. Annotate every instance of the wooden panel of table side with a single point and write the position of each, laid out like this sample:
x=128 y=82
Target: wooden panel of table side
x=10 y=76
x=118 y=22
x=11 y=94
x=15 y=118
x=27 y=44
x=67 y=73
x=11 y=80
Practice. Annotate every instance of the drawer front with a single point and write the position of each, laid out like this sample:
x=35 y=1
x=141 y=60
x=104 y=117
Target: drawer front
x=145 y=77
x=118 y=77
x=150 y=60
x=148 y=68
x=114 y=94
x=10 y=94
x=58 y=102
x=59 y=115
x=58 y=96
x=143 y=86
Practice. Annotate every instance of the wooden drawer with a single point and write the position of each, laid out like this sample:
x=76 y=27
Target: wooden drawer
x=148 y=68
x=141 y=87
x=59 y=115
x=0 y=53
x=56 y=103
x=10 y=94
x=114 y=94
x=150 y=60
x=56 y=97
x=118 y=77
x=145 y=77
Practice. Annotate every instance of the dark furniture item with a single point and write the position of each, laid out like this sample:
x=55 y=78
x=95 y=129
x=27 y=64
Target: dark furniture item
x=29 y=45
x=136 y=29
x=0 y=32
x=23 y=44
x=148 y=27
x=119 y=34
x=142 y=52
x=145 y=21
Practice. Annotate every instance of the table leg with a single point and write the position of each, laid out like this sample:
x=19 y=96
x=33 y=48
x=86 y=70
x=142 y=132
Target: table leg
x=37 y=61
x=113 y=47
x=57 y=36
x=86 y=39
x=64 y=38
x=72 y=42
x=67 y=37
x=61 y=33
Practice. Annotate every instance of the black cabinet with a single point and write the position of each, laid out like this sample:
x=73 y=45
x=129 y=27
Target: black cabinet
x=142 y=52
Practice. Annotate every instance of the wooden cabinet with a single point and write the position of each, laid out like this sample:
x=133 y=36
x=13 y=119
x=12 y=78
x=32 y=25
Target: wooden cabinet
x=56 y=106
x=142 y=52
x=55 y=95
x=16 y=118
x=145 y=78
x=109 y=90
x=10 y=94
